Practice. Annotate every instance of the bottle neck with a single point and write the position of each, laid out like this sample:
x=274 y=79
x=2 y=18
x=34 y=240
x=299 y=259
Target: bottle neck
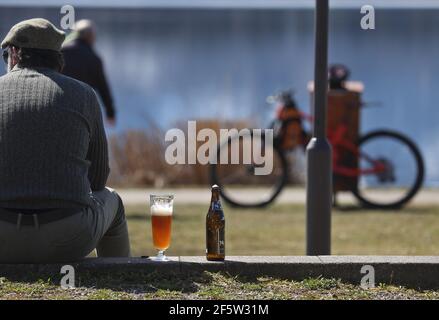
x=215 y=203
x=215 y=196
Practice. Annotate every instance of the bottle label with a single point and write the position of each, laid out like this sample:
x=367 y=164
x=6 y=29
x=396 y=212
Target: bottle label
x=216 y=236
x=216 y=205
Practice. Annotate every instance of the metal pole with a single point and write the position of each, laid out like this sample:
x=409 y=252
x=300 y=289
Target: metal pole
x=319 y=167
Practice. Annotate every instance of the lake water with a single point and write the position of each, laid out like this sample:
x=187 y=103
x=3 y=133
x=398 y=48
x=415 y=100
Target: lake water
x=170 y=65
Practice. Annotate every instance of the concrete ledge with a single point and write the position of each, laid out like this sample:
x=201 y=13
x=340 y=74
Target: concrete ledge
x=411 y=271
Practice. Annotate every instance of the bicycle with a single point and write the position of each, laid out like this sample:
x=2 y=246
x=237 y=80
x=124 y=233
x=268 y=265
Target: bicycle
x=371 y=163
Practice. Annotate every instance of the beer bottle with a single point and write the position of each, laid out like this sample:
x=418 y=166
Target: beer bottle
x=215 y=228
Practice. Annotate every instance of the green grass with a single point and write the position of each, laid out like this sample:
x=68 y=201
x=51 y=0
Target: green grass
x=280 y=230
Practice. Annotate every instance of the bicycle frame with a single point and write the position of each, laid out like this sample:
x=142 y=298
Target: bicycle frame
x=338 y=141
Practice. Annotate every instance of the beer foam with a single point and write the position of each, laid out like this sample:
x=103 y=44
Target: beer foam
x=160 y=210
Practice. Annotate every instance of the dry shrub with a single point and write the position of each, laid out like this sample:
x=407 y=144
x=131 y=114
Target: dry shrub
x=138 y=157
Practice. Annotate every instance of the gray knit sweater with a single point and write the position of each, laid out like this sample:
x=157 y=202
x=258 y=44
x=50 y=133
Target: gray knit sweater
x=53 y=149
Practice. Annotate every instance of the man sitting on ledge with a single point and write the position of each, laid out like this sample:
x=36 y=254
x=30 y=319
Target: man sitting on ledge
x=54 y=206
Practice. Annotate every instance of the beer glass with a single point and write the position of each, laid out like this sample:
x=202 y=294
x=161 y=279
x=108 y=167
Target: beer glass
x=161 y=220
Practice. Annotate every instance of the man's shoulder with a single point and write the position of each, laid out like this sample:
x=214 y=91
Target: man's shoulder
x=51 y=88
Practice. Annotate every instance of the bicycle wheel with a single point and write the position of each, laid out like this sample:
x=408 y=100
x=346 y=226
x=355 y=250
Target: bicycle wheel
x=240 y=185
x=393 y=170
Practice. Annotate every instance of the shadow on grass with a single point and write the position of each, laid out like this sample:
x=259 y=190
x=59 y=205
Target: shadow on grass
x=129 y=281
x=174 y=278
x=133 y=282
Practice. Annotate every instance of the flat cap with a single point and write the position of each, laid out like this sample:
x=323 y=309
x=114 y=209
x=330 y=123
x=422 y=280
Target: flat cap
x=35 y=33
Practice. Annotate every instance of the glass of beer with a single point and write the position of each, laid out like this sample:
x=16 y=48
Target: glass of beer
x=161 y=221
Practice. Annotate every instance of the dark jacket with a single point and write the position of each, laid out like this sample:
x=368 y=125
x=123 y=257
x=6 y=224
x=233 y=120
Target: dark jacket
x=52 y=141
x=82 y=63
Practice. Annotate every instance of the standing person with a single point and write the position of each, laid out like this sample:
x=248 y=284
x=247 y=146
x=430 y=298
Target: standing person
x=82 y=63
x=54 y=205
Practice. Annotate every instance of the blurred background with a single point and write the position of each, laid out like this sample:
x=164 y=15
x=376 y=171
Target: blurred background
x=216 y=61
x=172 y=61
